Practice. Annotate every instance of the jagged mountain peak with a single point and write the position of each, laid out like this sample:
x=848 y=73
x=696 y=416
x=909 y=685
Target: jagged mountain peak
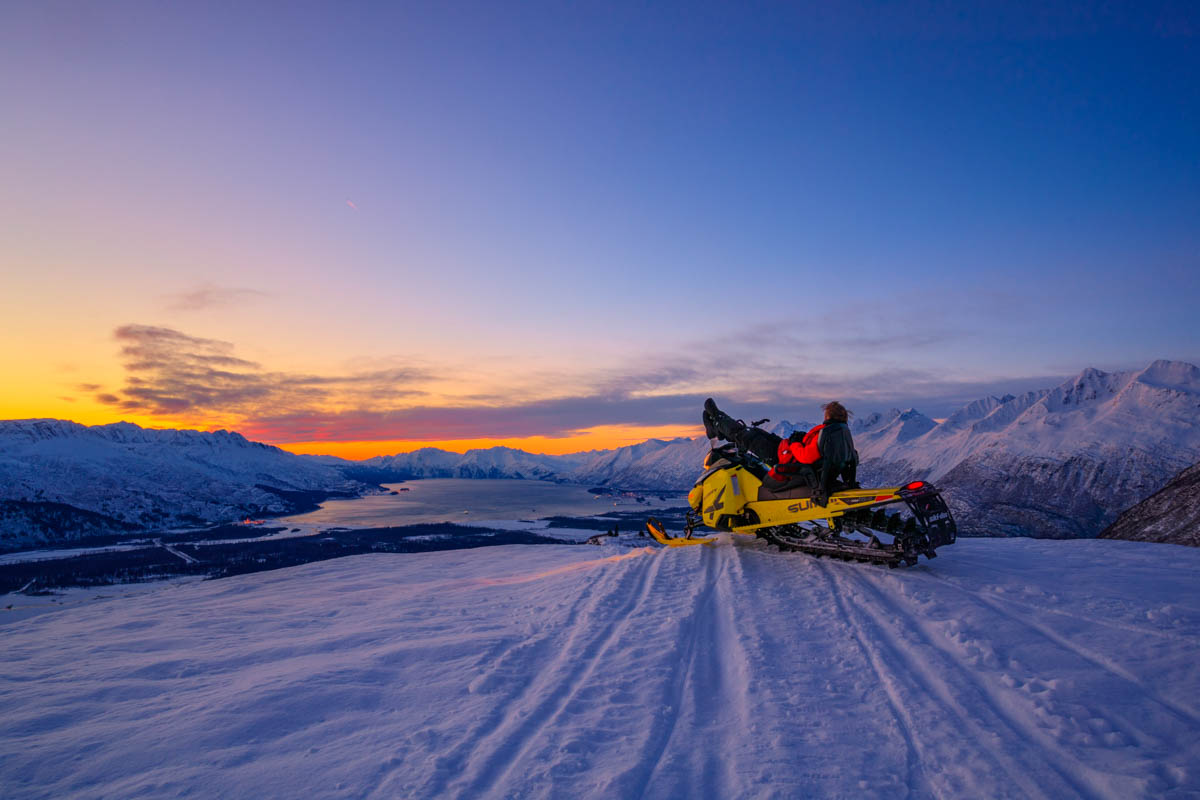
x=1095 y=392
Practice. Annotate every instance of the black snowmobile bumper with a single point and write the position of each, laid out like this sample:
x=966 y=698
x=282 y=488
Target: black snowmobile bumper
x=926 y=504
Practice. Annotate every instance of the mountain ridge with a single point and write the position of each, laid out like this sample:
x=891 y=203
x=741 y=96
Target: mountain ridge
x=1060 y=462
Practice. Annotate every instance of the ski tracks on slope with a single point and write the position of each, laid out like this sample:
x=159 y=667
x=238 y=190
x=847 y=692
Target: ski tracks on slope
x=736 y=671
x=695 y=747
x=651 y=639
x=514 y=674
x=1040 y=727
x=566 y=662
x=915 y=779
x=574 y=671
x=1184 y=713
x=968 y=745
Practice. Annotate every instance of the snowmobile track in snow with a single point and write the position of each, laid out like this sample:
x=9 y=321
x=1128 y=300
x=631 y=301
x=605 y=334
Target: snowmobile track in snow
x=947 y=684
x=914 y=775
x=570 y=673
x=1020 y=670
x=1185 y=713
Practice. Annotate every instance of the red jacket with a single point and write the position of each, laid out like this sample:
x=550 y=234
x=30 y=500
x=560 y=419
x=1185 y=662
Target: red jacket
x=792 y=454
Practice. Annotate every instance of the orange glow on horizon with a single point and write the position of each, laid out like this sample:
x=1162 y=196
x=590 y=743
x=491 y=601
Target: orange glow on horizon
x=604 y=437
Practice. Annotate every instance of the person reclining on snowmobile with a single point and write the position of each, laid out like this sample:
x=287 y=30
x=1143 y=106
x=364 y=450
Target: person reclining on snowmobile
x=827 y=452
x=816 y=458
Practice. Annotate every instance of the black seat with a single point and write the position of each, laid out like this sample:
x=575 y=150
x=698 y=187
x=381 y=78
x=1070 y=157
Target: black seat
x=796 y=487
x=800 y=492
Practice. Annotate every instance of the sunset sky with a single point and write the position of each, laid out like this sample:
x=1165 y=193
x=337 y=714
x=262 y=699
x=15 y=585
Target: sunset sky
x=360 y=228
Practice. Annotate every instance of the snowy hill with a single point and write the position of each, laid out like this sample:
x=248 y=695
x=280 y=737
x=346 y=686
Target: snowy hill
x=652 y=464
x=61 y=480
x=973 y=412
x=1006 y=669
x=1171 y=514
x=894 y=430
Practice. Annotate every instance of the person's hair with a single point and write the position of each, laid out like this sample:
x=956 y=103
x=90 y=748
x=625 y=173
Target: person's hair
x=836 y=412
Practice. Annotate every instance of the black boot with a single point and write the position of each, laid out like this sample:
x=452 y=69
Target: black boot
x=719 y=425
x=710 y=423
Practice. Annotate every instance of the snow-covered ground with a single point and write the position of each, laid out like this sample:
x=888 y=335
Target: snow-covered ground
x=1005 y=668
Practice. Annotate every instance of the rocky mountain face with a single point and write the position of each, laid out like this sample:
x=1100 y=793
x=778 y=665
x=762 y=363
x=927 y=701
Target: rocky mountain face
x=60 y=481
x=1172 y=514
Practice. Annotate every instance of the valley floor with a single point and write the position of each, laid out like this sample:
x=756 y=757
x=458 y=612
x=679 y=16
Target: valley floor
x=1004 y=668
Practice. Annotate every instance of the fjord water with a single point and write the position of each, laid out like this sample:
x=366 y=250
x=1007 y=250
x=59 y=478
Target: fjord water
x=471 y=500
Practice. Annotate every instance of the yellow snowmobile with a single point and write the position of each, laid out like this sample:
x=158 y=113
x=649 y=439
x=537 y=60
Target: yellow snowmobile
x=851 y=523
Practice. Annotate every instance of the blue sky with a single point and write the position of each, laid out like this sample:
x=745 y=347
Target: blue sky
x=899 y=203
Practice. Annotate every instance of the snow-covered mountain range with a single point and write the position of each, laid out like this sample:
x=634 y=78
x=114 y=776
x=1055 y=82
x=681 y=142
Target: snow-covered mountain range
x=656 y=464
x=61 y=480
x=1060 y=462
x=494 y=462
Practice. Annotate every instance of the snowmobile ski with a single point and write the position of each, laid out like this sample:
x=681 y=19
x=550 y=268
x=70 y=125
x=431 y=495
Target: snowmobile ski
x=660 y=535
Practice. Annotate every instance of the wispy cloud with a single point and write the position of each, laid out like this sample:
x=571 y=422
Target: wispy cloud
x=210 y=296
x=755 y=374
x=171 y=373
